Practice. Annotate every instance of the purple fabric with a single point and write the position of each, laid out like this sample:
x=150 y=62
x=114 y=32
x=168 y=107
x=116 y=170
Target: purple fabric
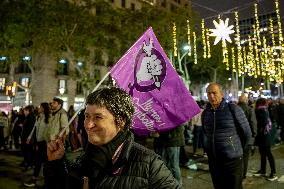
x=162 y=102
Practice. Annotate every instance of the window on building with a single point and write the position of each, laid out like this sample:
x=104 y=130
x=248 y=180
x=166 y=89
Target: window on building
x=23 y=68
x=25 y=82
x=62 y=83
x=62 y=67
x=62 y=86
x=4 y=66
x=79 y=87
x=123 y=3
x=164 y=3
x=2 y=84
x=98 y=10
x=133 y=6
x=173 y=8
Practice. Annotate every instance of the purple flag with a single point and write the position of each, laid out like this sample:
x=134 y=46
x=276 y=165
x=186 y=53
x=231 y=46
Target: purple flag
x=162 y=102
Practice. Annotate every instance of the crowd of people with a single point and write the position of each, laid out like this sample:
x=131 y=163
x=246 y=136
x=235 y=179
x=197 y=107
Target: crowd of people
x=114 y=157
x=31 y=128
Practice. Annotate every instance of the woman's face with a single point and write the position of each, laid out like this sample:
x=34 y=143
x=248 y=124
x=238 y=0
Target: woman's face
x=40 y=109
x=100 y=125
x=26 y=112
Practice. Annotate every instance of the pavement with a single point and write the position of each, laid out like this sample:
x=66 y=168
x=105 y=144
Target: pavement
x=195 y=176
x=200 y=178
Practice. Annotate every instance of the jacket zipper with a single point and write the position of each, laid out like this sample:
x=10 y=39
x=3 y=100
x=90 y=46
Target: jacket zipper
x=213 y=138
x=231 y=142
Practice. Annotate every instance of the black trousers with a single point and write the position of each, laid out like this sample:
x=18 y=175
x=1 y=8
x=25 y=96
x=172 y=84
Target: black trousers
x=245 y=160
x=198 y=138
x=226 y=173
x=28 y=154
x=182 y=156
x=265 y=151
x=2 y=140
x=40 y=156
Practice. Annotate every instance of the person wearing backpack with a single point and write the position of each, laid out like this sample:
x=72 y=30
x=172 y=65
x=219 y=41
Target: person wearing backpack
x=227 y=133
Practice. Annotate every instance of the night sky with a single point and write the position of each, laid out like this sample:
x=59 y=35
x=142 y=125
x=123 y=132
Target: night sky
x=209 y=9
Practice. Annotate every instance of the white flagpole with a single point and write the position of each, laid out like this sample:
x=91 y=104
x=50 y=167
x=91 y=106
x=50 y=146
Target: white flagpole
x=62 y=132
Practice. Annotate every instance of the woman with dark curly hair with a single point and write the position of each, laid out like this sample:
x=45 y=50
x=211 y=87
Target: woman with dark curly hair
x=112 y=159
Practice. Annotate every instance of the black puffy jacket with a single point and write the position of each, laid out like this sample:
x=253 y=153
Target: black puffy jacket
x=226 y=134
x=137 y=168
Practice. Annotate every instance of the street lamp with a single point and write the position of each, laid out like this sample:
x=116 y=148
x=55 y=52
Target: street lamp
x=27 y=58
x=187 y=49
x=3 y=58
x=79 y=64
x=62 y=61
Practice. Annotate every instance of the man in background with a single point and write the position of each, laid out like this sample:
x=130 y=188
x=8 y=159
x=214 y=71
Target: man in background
x=227 y=133
x=58 y=120
x=250 y=115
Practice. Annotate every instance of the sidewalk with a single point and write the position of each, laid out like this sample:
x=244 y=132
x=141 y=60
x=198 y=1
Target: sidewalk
x=12 y=176
x=200 y=178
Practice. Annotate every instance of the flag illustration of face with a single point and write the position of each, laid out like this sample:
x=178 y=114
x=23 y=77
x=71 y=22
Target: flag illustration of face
x=161 y=99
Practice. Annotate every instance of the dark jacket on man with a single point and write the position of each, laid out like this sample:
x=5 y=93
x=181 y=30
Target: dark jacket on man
x=227 y=131
x=250 y=115
x=136 y=167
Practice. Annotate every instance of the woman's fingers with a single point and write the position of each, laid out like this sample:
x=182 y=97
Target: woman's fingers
x=56 y=144
x=52 y=146
x=60 y=143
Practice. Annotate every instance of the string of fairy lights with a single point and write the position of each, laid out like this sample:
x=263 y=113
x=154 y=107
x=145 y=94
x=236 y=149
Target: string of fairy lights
x=260 y=54
x=240 y=68
x=188 y=37
x=175 y=39
x=208 y=44
x=204 y=39
x=194 y=48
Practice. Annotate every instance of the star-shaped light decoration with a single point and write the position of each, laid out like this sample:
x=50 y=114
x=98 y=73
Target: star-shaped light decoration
x=222 y=31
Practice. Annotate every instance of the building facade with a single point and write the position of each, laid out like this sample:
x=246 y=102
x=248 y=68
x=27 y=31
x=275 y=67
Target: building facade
x=56 y=77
